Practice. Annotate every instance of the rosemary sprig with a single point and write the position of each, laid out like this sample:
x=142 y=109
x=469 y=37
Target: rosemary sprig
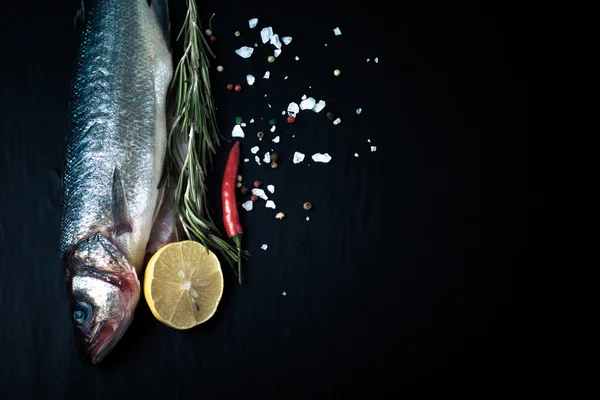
x=195 y=115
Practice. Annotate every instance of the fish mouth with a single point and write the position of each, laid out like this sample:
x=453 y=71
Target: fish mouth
x=104 y=340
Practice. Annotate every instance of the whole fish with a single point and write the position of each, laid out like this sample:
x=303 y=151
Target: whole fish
x=115 y=152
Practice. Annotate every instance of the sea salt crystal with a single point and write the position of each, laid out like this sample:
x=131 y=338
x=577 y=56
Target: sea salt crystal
x=293 y=109
x=275 y=41
x=257 y=159
x=244 y=51
x=253 y=22
x=246 y=159
x=271 y=188
x=285 y=77
x=273 y=128
x=260 y=193
x=250 y=79
x=255 y=44
x=247 y=205
x=237 y=131
x=324 y=158
x=368 y=59
x=269 y=105
x=286 y=40
x=319 y=106
x=252 y=121
x=297 y=58
x=373 y=148
x=298 y=157
x=358 y=110
x=307 y=104
x=267 y=75
x=369 y=140
x=276 y=139
x=337 y=31
x=277 y=52
x=303 y=97
x=283 y=112
x=267 y=158
x=266 y=33
x=283 y=293
x=337 y=121
x=270 y=204
x=355 y=154
x=254 y=150
x=264 y=247
x=307 y=218
x=243 y=124
x=376 y=59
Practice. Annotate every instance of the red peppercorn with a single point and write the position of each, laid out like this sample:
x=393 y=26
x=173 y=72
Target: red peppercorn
x=230 y=87
x=291 y=119
x=257 y=184
x=238 y=88
x=213 y=38
x=254 y=197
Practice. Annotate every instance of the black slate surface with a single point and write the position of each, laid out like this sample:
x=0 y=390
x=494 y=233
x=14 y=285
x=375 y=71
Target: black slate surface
x=410 y=277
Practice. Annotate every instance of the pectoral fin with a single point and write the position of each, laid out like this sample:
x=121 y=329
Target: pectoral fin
x=121 y=219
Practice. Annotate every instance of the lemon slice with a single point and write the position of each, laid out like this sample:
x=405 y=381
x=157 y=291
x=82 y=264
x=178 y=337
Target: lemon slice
x=183 y=284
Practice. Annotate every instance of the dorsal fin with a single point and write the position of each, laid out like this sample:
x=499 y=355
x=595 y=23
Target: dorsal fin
x=161 y=10
x=121 y=219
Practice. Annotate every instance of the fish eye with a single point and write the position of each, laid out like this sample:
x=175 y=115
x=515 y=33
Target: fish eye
x=82 y=312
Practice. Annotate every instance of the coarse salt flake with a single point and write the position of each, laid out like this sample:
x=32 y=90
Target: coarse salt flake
x=286 y=40
x=337 y=31
x=324 y=158
x=298 y=157
x=257 y=159
x=254 y=150
x=244 y=51
x=303 y=97
x=243 y=124
x=260 y=193
x=273 y=128
x=358 y=110
x=252 y=121
x=373 y=148
x=264 y=247
x=253 y=22
x=271 y=188
x=275 y=41
x=276 y=139
x=237 y=131
x=285 y=77
x=337 y=121
x=355 y=154
x=266 y=33
x=248 y=205
x=376 y=59
x=250 y=79
x=293 y=109
x=319 y=106
x=307 y=104
x=297 y=58
x=266 y=76
x=307 y=218
x=270 y=204
x=246 y=160
x=267 y=158
x=277 y=52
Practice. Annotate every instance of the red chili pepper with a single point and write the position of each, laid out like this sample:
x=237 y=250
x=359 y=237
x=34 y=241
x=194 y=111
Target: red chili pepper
x=231 y=217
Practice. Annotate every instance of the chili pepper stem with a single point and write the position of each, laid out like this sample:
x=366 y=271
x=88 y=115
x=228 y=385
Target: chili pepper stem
x=238 y=243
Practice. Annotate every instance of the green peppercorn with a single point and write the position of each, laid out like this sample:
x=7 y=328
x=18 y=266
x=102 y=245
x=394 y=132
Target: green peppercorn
x=239 y=120
x=272 y=121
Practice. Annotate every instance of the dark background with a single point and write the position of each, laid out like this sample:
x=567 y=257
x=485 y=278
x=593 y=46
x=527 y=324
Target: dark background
x=419 y=272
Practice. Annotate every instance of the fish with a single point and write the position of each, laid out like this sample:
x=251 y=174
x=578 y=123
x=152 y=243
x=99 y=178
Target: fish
x=115 y=152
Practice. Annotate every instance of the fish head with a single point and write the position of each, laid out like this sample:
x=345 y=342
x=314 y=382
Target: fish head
x=103 y=290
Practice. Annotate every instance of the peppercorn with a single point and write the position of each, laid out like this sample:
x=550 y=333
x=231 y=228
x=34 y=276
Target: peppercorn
x=244 y=190
x=229 y=86
x=237 y=33
x=271 y=59
x=272 y=121
x=260 y=135
x=220 y=68
x=213 y=38
x=238 y=88
x=274 y=165
x=337 y=72
x=239 y=178
x=257 y=184
x=208 y=32
x=330 y=115
x=254 y=197
x=280 y=215
x=239 y=185
x=239 y=120
x=307 y=206
x=291 y=119
x=274 y=157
